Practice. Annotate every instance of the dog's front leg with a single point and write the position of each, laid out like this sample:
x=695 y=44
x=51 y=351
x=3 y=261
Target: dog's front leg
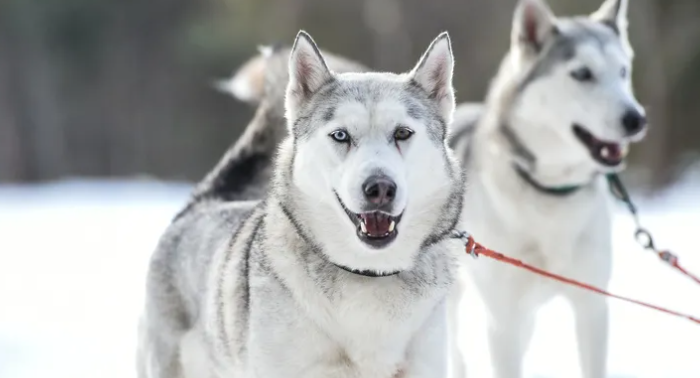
x=511 y=322
x=427 y=355
x=509 y=336
x=457 y=364
x=591 y=314
x=158 y=353
x=593 y=265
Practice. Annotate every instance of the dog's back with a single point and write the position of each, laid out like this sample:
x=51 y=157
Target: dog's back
x=243 y=173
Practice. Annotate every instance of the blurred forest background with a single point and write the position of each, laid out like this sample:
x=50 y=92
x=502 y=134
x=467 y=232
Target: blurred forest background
x=104 y=88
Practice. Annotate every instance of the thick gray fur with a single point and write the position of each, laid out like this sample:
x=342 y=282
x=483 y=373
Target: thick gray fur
x=231 y=285
x=535 y=104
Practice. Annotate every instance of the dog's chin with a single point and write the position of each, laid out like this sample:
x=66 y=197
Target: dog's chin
x=609 y=155
x=376 y=229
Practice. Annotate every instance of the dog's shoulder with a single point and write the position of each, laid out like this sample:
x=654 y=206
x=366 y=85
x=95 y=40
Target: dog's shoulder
x=209 y=220
x=182 y=259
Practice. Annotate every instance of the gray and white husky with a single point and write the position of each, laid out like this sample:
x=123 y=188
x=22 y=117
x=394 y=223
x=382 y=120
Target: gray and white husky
x=343 y=270
x=559 y=115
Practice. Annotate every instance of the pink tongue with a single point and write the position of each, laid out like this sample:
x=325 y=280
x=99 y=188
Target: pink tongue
x=614 y=151
x=377 y=224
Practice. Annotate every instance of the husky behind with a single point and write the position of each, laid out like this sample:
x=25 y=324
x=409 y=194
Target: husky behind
x=244 y=172
x=343 y=270
x=559 y=116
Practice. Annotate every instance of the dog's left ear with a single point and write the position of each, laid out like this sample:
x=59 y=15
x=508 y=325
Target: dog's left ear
x=308 y=72
x=433 y=73
x=613 y=13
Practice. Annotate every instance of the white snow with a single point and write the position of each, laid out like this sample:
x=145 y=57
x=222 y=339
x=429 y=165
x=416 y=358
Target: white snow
x=73 y=256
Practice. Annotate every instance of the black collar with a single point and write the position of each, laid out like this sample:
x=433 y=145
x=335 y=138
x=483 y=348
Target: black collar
x=557 y=191
x=366 y=273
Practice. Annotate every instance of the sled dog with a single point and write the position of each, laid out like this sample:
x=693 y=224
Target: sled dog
x=559 y=115
x=344 y=268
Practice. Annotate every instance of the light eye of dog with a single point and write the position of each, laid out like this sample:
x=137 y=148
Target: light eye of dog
x=340 y=136
x=583 y=74
x=402 y=133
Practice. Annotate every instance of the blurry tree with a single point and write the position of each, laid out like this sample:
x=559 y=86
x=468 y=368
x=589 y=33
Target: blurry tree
x=124 y=87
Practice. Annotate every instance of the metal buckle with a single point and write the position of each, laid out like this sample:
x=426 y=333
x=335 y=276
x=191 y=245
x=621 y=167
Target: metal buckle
x=668 y=257
x=644 y=239
x=464 y=236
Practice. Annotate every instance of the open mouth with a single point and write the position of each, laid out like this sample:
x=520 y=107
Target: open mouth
x=606 y=153
x=375 y=228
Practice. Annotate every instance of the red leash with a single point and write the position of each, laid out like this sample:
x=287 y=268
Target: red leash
x=475 y=249
x=672 y=260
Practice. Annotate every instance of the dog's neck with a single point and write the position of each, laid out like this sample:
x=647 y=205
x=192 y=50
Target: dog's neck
x=501 y=148
x=548 y=175
x=318 y=250
x=556 y=191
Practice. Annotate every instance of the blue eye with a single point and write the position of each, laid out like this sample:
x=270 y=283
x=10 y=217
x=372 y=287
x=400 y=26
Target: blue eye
x=583 y=74
x=340 y=136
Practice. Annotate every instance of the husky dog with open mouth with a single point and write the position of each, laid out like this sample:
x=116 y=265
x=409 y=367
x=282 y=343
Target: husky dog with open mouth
x=343 y=270
x=559 y=116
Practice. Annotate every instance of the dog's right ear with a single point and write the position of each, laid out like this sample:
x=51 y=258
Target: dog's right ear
x=307 y=73
x=533 y=24
x=433 y=73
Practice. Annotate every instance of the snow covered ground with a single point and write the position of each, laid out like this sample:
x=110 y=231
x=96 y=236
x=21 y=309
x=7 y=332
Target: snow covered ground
x=73 y=257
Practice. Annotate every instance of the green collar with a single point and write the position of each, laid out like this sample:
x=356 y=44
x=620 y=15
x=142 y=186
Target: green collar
x=557 y=191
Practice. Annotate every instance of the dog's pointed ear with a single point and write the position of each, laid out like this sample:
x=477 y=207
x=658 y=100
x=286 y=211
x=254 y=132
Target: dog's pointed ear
x=307 y=73
x=613 y=13
x=533 y=24
x=433 y=73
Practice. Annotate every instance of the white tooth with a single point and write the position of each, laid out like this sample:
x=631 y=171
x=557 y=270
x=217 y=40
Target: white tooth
x=625 y=150
x=363 y=226
x=392 y=225
x=605 y=152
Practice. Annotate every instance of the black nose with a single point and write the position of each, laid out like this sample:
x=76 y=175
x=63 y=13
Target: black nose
x=379 y=190
x=633 y=122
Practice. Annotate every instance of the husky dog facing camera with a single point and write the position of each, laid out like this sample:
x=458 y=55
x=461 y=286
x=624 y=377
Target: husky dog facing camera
x=344 y=268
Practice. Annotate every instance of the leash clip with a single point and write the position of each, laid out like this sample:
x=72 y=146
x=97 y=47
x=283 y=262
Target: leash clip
x=644 y=239
x=465 y=237
x=647 y=242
